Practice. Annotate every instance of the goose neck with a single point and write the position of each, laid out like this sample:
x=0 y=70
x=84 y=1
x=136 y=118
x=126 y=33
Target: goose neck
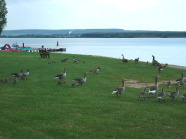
x=123 y=83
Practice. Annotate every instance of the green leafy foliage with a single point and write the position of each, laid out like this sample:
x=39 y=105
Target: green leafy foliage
x=3 y=13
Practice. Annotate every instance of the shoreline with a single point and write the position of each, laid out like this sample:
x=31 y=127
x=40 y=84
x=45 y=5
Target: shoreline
x=169 y=65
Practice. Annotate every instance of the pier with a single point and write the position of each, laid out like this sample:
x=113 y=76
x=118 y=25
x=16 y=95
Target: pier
x=56 y=50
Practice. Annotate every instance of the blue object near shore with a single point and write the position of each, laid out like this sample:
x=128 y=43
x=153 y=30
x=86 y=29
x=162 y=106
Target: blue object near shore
x=28 y=49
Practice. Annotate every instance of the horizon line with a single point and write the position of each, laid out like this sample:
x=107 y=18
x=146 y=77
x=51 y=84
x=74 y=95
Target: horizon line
x=95 y=29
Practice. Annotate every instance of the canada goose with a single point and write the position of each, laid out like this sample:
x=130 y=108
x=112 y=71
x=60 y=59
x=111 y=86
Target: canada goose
x=136 y=60
x=61 y=82
x=143 y=94
x=26 y=73
x=119 y=90
x=81 y=80
x=5 y=80
x=161 y=95
x=182 y=83
x=18 y=74
x=180 y=79
x=173 y=95
x=168 y=84
x=75 y=84
x=155 y=62
x=61 y=76
x=76 y=60
x=95 y=70
x=154 y=89
x=124 y=60
x=15 y=80
x=160 y=68
x=183 y=97
x=64 y=60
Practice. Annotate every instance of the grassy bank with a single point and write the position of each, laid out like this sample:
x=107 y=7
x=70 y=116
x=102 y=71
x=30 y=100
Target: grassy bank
x=38 y=108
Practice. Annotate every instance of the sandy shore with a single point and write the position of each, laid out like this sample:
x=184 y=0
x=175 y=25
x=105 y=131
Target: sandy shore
x=176 y=66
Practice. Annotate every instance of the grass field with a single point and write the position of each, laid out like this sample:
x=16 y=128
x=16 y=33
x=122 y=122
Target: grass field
x=38 y=108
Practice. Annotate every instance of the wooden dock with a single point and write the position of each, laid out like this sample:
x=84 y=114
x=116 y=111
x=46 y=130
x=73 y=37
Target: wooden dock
x=57 y=50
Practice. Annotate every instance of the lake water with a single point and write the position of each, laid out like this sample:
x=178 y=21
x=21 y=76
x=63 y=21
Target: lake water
x=165 y=50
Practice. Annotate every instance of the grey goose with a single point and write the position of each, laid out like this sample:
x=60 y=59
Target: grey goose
x=119 y=90
x=161 y=95
x=61 y=76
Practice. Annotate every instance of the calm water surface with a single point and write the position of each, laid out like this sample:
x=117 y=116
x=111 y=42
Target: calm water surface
x=166 y=50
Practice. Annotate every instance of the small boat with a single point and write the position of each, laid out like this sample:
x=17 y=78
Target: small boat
x=15 y=45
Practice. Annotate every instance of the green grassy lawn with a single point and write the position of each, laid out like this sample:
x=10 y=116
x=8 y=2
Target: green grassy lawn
x=38 y=108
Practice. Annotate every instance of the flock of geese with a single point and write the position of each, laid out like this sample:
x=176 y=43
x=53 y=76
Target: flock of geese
x=162 y=95
x=154 y=89
x=77 y=81
x=17 y=76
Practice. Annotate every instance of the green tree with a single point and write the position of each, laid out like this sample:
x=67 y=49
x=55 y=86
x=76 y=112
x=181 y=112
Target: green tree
x=3 y=12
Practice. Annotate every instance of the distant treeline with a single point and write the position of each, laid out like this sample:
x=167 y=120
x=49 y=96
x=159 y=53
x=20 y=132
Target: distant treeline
x=137 y=35
x=91 y=33
x=35 y=36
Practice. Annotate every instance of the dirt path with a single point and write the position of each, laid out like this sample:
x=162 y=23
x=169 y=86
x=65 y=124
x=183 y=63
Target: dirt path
x=137 y=84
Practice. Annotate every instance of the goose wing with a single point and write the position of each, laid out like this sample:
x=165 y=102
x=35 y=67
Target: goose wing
x=118 y=90
x=161 y=95
x=93 y=70
x=79 y=80
x=152 y=88
x=115 y=91
x=178 y=80
x=76 y=60
x=60 y=76
x=173 y=94
x=17 y=74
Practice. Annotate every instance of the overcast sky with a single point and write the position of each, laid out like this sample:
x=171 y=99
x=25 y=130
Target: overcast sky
x=162 y=15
